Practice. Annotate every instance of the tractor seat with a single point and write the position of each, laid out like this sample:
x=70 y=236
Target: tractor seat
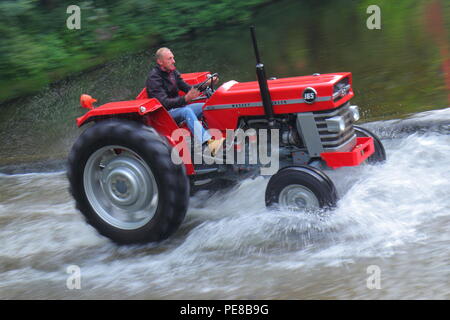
x=143 y=95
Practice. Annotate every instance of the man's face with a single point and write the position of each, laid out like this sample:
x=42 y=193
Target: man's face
x=167 y=61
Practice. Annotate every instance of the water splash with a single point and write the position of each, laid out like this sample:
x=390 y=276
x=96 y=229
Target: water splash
x=230 y=245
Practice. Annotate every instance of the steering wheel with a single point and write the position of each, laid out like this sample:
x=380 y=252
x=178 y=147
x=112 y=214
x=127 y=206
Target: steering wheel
x=201 y=86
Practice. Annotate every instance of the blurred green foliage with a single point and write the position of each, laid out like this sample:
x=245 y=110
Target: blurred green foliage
x=37 y=48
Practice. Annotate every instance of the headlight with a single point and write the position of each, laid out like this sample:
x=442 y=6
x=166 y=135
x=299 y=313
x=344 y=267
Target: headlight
x=335 y=124
x=341 y=89
x=354 y=111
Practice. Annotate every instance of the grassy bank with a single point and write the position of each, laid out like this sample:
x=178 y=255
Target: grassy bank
x=37 y=48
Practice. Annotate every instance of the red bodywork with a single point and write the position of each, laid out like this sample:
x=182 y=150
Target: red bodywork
x=363 y=149
x=281 y=90
x=233 y=100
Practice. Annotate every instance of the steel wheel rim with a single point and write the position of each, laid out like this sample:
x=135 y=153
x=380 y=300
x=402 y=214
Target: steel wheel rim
x=120 y=187
x=297 y=197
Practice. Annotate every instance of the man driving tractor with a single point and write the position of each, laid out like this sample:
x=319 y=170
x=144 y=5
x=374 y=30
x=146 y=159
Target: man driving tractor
x=164 y=83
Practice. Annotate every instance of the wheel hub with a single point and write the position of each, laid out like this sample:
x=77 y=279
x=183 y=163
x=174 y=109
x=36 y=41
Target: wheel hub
x=121 y=184
x=298 y=197
x=125 y=183
x=121 y=188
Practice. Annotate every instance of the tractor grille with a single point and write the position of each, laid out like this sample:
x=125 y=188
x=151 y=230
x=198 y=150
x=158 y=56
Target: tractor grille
x=332 y=141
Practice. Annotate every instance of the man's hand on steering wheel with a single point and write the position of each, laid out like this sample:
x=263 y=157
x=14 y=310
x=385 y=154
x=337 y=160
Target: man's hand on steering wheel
x=209 y=82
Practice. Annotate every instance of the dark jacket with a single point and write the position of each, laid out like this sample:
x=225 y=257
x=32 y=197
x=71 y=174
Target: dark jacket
x=160 y=86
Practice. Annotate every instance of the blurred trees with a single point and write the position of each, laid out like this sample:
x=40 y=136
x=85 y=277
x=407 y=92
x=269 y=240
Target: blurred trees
x=37 y=48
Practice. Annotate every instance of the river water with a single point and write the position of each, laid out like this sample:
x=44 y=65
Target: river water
x=393 y=218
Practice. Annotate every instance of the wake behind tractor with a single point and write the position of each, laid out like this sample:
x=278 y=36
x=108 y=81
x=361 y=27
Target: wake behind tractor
x=132 y=177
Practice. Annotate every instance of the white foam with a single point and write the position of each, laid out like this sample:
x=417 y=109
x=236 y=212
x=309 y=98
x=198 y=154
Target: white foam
x=231 y=240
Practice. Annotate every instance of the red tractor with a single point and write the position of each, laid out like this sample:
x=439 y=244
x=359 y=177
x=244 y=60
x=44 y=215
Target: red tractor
x=127 y=185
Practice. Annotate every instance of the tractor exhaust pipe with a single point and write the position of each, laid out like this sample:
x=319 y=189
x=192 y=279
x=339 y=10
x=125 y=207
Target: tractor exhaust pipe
x=262 y=81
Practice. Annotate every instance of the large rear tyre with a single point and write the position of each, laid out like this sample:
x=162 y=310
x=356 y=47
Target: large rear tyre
x=300 y=188
x=125 y=183
x=380 y=154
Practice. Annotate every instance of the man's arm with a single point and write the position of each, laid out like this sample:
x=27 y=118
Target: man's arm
x=156 y=90
x=182 y=85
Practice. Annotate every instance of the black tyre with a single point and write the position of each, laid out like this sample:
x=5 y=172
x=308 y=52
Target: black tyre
x=380 y=154
x=301 y=188
x=125 y=183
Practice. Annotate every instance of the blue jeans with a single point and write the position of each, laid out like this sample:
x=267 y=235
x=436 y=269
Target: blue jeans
x=191 y=113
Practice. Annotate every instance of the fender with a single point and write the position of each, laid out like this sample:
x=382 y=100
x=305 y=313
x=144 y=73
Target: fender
x=140 y=107
x=153 y=114
x=163 y=123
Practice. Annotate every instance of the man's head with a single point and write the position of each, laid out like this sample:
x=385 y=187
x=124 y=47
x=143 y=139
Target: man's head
x=165 y=59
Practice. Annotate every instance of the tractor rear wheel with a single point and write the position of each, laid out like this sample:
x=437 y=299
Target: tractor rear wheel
x=300 y=188
x=125 y=183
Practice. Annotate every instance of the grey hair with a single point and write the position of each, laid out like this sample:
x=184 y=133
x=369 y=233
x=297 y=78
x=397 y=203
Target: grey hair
x=159 y=52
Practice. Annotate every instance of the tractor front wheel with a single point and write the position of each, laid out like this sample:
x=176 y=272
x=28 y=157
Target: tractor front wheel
x=300 y=188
